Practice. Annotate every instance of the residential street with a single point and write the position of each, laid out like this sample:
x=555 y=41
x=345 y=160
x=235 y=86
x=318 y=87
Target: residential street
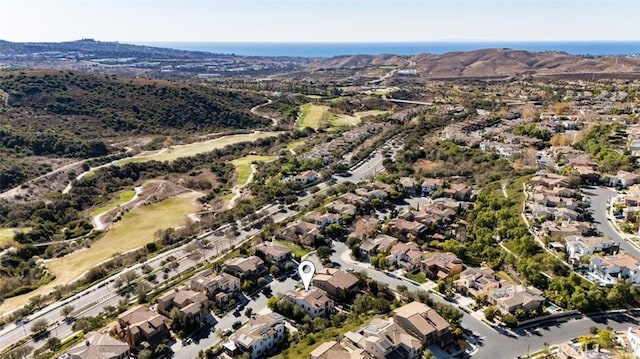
x=599 y=197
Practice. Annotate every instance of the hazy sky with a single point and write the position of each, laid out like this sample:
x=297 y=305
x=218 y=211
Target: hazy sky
x=319 y=20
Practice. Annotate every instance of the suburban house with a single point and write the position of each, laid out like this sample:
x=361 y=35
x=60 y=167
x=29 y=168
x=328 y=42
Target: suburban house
x=633 y=339
x=335 y=350
x=337 y=283
x=566 y=228
x=323 y=220
x=408 y=185
x=478 y=281
x=301 y=233
x=405 y=255
x=141 y=327
x=246 y=268
x=430 y=185
x=193 y=306
x=306 y=177
x=220 y=287
x=380 y=244
x=341 y=208
x=383 y=339
x=609 y=269
x=410 y=228
x=354 y=199
x=579 y=246
x=460 y=192
x=314 y=301
x=424 y=323
x=623 y=179
x=372 y=193
x=273 y=253
x=441 y=265
x=549 y=180
x=259 y=337
x=99 y=346
x=510 y=298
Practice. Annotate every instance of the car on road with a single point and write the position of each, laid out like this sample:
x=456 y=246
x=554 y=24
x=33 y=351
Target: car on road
x=351 y=270
x=237 y=324
x=227 y=331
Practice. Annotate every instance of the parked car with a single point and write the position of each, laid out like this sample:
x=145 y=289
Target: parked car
x=227 y=331
x=237 y=324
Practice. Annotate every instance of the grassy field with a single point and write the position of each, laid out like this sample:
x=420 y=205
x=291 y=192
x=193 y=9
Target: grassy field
x=313 y=116
x=134 y=230
x=343 y=121
x=125 y=196
x=370 y=113
x=243 y=166
x=7 y=234
x=194 y=148
x=294 y=145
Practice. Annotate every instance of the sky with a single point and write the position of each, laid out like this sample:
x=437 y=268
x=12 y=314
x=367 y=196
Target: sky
x=320 y=20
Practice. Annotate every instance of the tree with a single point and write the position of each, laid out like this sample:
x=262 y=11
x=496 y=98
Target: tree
x=324 y=253
x=427 y=354
x=53 y=344
x=39 y=325
x=261 y=282
x=248 y=312
x=66 y=311
x=128 y=277
x=145 y=354
x=509 y=320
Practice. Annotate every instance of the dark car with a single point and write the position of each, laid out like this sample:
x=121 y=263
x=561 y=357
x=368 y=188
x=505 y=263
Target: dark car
x=237 y=324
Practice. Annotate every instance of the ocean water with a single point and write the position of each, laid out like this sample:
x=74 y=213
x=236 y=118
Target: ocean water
x=326 y=49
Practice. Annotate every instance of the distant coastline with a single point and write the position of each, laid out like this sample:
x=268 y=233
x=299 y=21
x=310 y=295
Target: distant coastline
x=595 y=48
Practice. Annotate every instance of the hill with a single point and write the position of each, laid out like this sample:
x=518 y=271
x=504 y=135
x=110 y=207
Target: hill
x=488 y=63
x=51 y=114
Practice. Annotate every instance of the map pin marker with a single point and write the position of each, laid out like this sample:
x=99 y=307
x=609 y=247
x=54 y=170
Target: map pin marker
x=306 y=269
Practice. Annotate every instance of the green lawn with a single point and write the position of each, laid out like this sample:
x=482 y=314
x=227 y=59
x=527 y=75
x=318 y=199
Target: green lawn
x=294 y=145
x=418 y=277
x=134 y=230
x=243 y=166
x=370 y=113
x=343 y=121
x=125 y=196
x=7 y=234
x=313 y=116
x=192 y=149
x=298 y=251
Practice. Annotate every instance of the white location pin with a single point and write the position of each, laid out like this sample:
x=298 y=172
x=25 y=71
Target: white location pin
x=306 y=269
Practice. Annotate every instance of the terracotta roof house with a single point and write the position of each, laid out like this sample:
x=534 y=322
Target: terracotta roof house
x=411 y=228
x=141 y=327
x=566 y=228
x=386 y=339
x=193 y=306
x=549 y=180
x=323 y=220
x=460 y=191
x=220 y=287
x=382 y=243
x=313 y=301
x=441 y=265
x=306 y=177
x=99 y=346
x=301 y=233
x=335 y=350
x=339 y=207
x=250 y=268
x=273 y=253
x=354 y=199
x=424 y=323
x=260 y=337
x=337 y=283
x=609 y=269
x=510 y=298
x=579 y=246
x=624 y=179
x=409 y=185
x=478 y=281
x=405 y=255
x=430 y=185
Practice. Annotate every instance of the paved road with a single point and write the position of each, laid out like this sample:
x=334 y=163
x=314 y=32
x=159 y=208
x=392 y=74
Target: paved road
x=485 y=337
x=599 y=196
x=208 y=336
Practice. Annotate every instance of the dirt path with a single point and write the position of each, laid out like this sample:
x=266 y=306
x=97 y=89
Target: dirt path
x=16 y=190
x=254 y=111
x=237 y=189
